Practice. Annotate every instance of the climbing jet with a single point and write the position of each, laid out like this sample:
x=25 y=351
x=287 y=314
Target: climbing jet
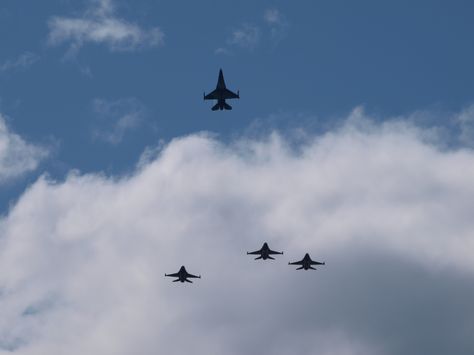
x=221 y=93
x=182 y=275
x=264 y=252
x=306 y=263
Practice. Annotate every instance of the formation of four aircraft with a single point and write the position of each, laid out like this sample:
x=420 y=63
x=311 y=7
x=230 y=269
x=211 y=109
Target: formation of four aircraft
x=221 y=93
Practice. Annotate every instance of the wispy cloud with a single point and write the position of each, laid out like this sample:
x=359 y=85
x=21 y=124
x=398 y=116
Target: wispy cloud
x=100 y=25
x=116 y=118
x=272 y=16
x=246 y=36
x=277 y=23
x=17 y=156
x=222 y=50
x=23 y=62
x=250 y=36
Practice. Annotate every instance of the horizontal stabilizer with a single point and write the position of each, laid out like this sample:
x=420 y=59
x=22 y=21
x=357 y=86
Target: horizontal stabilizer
x=227 y=106
x=215 y=107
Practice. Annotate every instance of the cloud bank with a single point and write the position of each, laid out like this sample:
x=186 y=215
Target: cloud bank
x=17 y=156
x=82 y=261
x=100 y=25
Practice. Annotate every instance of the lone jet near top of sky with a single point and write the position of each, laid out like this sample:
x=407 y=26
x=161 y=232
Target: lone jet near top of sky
x=221 y=93
x=306 y=263
x=264 y=252
x=182 y=275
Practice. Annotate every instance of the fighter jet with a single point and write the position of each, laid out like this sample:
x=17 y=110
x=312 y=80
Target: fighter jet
x=182 y=275
x=221 y=93
x=306 y=263
x=264 y=252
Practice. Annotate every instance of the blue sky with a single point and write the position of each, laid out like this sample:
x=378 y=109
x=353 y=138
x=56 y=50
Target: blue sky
x=111 y=165
x=322 y=59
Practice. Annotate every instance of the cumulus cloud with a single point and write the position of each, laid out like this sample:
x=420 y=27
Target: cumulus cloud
x=117 y=118
x=17 y=156
x=100 y=25
x=23 y=62
x=82 y=261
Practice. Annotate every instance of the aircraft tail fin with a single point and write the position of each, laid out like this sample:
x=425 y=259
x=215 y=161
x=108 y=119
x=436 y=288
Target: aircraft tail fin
x=312 y=268
x=299 y=268
x=215 y=107
x=188 y=281
x=260 y=257
x=270 y=257
x=227 y=106
x=176 y=280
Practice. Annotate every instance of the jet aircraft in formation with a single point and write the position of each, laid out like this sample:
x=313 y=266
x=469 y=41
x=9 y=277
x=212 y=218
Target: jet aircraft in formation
x=182 y=275
x=265 y=252
x=306 y=263
x=221 y=93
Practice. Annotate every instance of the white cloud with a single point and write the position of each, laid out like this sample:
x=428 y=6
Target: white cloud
x=23 y=62
x=117 y=118
x=100 y=25
x=17 y=156
x=82 y=261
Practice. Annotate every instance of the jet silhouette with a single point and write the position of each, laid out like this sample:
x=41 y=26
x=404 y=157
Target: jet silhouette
x=182 y=275
x=306 y=263
x=221 y=93
x=264 y=252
